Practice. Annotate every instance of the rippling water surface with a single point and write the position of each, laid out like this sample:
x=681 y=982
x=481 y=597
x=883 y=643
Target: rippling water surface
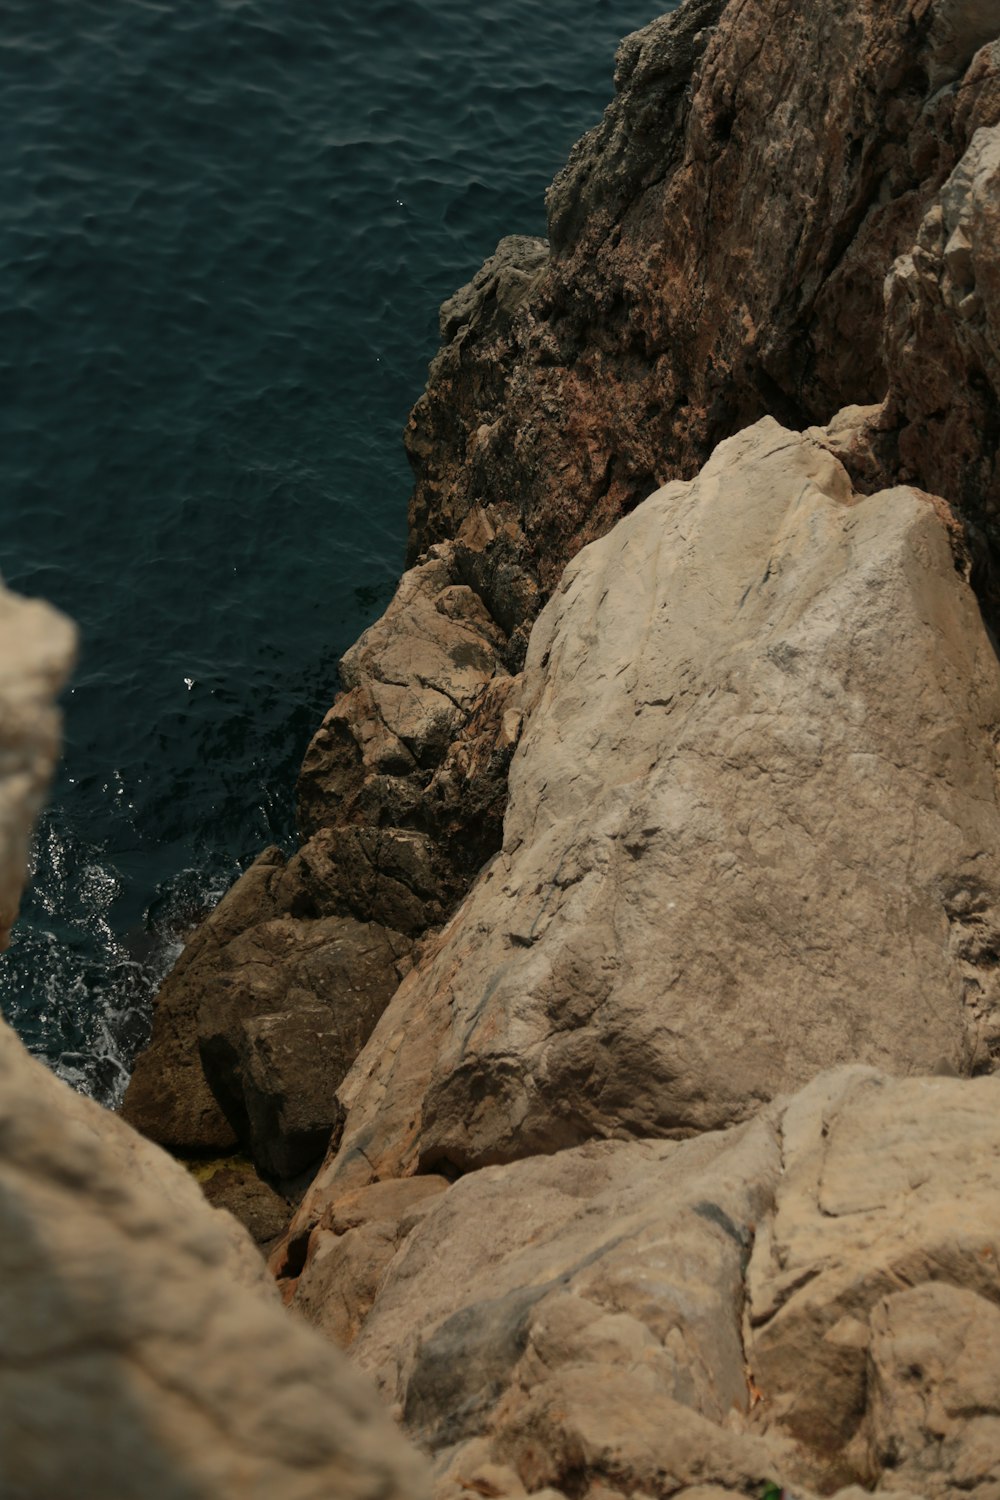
x=225 y=229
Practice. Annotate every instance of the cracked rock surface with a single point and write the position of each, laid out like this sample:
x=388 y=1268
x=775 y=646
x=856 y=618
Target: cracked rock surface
x=876 y=1282
x=144 y=1353
x=752 y=832
x=809 y=1299
x=717 y=246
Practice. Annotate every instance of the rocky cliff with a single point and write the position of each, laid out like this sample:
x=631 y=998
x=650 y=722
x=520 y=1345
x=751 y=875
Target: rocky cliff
x=667 y=783
x=719 y=248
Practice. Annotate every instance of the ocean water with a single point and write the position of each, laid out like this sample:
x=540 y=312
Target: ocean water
x=225 y=230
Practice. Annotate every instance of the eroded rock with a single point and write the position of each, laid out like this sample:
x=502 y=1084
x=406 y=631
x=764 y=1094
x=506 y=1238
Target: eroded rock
x=943 y=339
x=752 y=831
x=808 y=1300
x=887 y=1186
x=143 y=1352
x=282 y=1018
x=718 y=247
x=402 y=796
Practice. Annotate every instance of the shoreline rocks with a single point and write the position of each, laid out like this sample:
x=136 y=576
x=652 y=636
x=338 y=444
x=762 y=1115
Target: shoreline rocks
x=639 y=963
x=808 y=1299
x=718 y=247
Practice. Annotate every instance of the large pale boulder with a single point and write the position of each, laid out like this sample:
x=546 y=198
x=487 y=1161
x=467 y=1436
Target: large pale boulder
x=810 y=1299
x=143 y=1352
x=752 y=832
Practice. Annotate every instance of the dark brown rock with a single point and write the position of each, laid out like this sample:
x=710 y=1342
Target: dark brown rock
x=290 y=1065
x=718 y=250
x=168 y=1099
x=261 y=1211
x=283 y=1015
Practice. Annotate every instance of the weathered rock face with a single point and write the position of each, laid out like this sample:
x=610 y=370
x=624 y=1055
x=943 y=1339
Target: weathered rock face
x=752 y=831
x=876 y=1282
x=941 y=419
x=809 y=1299
x=277 y=992
x=142 y=1349
x=718 y=249
x=143 y=1353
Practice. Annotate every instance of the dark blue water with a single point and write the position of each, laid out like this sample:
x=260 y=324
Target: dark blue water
x=225 y=229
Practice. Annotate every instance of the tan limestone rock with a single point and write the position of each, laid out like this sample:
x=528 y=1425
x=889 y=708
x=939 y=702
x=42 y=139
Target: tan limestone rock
x=887 y=1185
x=811 y=1299
x=752 y=833
x=615 y=1254
x=719 y=245
x=570 y=1315
x=143 y=1352
x=350 y=1249
x=935 y=1370
x=410 y=683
